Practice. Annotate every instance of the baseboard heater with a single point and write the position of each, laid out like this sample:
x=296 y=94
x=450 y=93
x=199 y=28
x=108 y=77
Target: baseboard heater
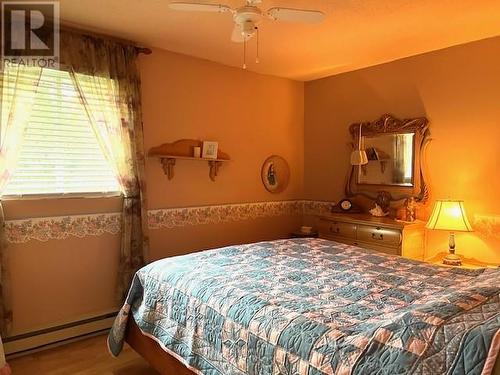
x=29 y=342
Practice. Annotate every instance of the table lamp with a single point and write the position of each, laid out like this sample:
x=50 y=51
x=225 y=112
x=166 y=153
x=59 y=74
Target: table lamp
x=450 y=215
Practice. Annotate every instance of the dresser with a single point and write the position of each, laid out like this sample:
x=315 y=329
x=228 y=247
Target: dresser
x=381 y=234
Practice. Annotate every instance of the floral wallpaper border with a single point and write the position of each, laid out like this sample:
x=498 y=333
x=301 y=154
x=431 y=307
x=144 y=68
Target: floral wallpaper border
x=487 y=225
x=63 y=227
x=184 y=216
x=80 y=226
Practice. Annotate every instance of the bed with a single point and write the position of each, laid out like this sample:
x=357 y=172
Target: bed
x=310 y=306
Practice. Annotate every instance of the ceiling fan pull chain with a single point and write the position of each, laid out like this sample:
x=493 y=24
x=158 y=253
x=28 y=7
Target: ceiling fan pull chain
x=245 y=54
x=257 y=60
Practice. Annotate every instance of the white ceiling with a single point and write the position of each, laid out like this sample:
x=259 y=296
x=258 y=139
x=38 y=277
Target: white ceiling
x=356 y=33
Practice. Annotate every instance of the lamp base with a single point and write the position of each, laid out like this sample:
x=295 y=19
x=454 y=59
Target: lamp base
x=452 y=260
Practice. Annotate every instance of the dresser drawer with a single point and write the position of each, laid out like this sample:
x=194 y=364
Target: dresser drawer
x=337 y=229
x=379 y=235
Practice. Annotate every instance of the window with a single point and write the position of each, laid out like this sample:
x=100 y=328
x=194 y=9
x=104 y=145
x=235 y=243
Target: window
x=60 y=153
x=407 y=141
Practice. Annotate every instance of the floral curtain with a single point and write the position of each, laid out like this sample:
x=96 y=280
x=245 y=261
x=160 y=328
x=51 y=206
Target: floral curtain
x=18 y=87
x=398 y=168
x=4 y=367
x=403 y=158
x=107 y=79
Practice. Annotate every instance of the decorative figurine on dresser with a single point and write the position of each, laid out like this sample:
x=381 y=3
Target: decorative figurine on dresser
x=410 y=209
x=382 y=204
x=379 y=211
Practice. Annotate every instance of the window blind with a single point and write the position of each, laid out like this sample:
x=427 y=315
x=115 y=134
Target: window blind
x=59 y=152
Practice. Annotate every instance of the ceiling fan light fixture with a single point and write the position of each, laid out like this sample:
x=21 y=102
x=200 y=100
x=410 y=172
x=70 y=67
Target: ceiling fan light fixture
x=248 y=29
x=248 y=17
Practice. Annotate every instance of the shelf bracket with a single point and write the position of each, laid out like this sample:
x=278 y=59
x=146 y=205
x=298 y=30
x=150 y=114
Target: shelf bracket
x=168 y=167
x=169 y=163
x=214 y=168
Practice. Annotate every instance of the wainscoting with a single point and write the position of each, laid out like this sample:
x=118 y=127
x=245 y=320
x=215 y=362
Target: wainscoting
x=58 y=247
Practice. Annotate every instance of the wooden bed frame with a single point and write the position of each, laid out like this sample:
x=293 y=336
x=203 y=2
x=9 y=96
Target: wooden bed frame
x=152 y=352
x=166 y=364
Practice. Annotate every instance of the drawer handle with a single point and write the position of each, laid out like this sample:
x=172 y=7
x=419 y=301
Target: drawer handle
x=337 y=229
x=380 y=236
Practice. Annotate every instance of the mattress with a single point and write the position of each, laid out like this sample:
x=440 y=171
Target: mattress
x=313 y=306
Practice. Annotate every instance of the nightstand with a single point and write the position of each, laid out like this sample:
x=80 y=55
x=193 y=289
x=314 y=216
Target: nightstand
x=468 y=263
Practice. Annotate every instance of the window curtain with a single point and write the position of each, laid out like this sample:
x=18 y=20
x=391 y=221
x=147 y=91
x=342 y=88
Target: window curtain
x=403 y=159
x=18 y=87
x=399 y=162
x=107 y=79
x=4 y=367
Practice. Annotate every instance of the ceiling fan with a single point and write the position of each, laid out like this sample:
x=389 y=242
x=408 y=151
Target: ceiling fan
x=248 y=17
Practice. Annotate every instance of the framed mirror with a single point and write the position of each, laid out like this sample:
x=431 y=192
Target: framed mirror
x=395 y=150
x=275 y=174
x=390 y=160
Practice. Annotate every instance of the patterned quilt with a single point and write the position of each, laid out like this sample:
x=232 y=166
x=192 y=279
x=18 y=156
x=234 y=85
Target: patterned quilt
x=312 y=306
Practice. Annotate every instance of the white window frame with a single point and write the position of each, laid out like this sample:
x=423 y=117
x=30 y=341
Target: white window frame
x=75 y=195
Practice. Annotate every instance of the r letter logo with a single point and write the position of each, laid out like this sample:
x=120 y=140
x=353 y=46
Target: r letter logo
x=30 y=33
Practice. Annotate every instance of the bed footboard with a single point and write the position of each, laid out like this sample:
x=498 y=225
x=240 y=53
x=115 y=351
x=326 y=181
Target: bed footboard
x=152 y=352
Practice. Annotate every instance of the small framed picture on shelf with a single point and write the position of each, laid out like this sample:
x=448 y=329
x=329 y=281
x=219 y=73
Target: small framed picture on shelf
x=210 y=150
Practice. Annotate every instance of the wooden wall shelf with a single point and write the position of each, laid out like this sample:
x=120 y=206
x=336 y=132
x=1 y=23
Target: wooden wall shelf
x=169 y=153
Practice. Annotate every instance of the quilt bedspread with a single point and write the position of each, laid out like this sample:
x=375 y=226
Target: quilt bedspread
x=312 y=306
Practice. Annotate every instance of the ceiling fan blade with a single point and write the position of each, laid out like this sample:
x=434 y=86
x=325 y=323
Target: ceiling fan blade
x=237 y=35
x=197 y=7
x=296 y=15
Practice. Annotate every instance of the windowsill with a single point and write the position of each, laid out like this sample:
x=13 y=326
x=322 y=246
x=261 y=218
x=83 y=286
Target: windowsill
x=115 y=194
x=17 y=207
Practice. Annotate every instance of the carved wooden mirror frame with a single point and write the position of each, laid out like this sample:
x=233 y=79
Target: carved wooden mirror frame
x=388 y=124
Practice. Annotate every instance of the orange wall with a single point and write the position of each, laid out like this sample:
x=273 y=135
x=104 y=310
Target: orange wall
x=252 y=117
x=458 y=90
x=60 y=281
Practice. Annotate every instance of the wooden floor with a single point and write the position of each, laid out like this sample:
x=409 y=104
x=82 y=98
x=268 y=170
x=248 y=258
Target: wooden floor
x=89 y=356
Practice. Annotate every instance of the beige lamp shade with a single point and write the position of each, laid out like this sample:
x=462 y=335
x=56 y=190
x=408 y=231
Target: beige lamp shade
x=359 y=157
x=449 y=215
